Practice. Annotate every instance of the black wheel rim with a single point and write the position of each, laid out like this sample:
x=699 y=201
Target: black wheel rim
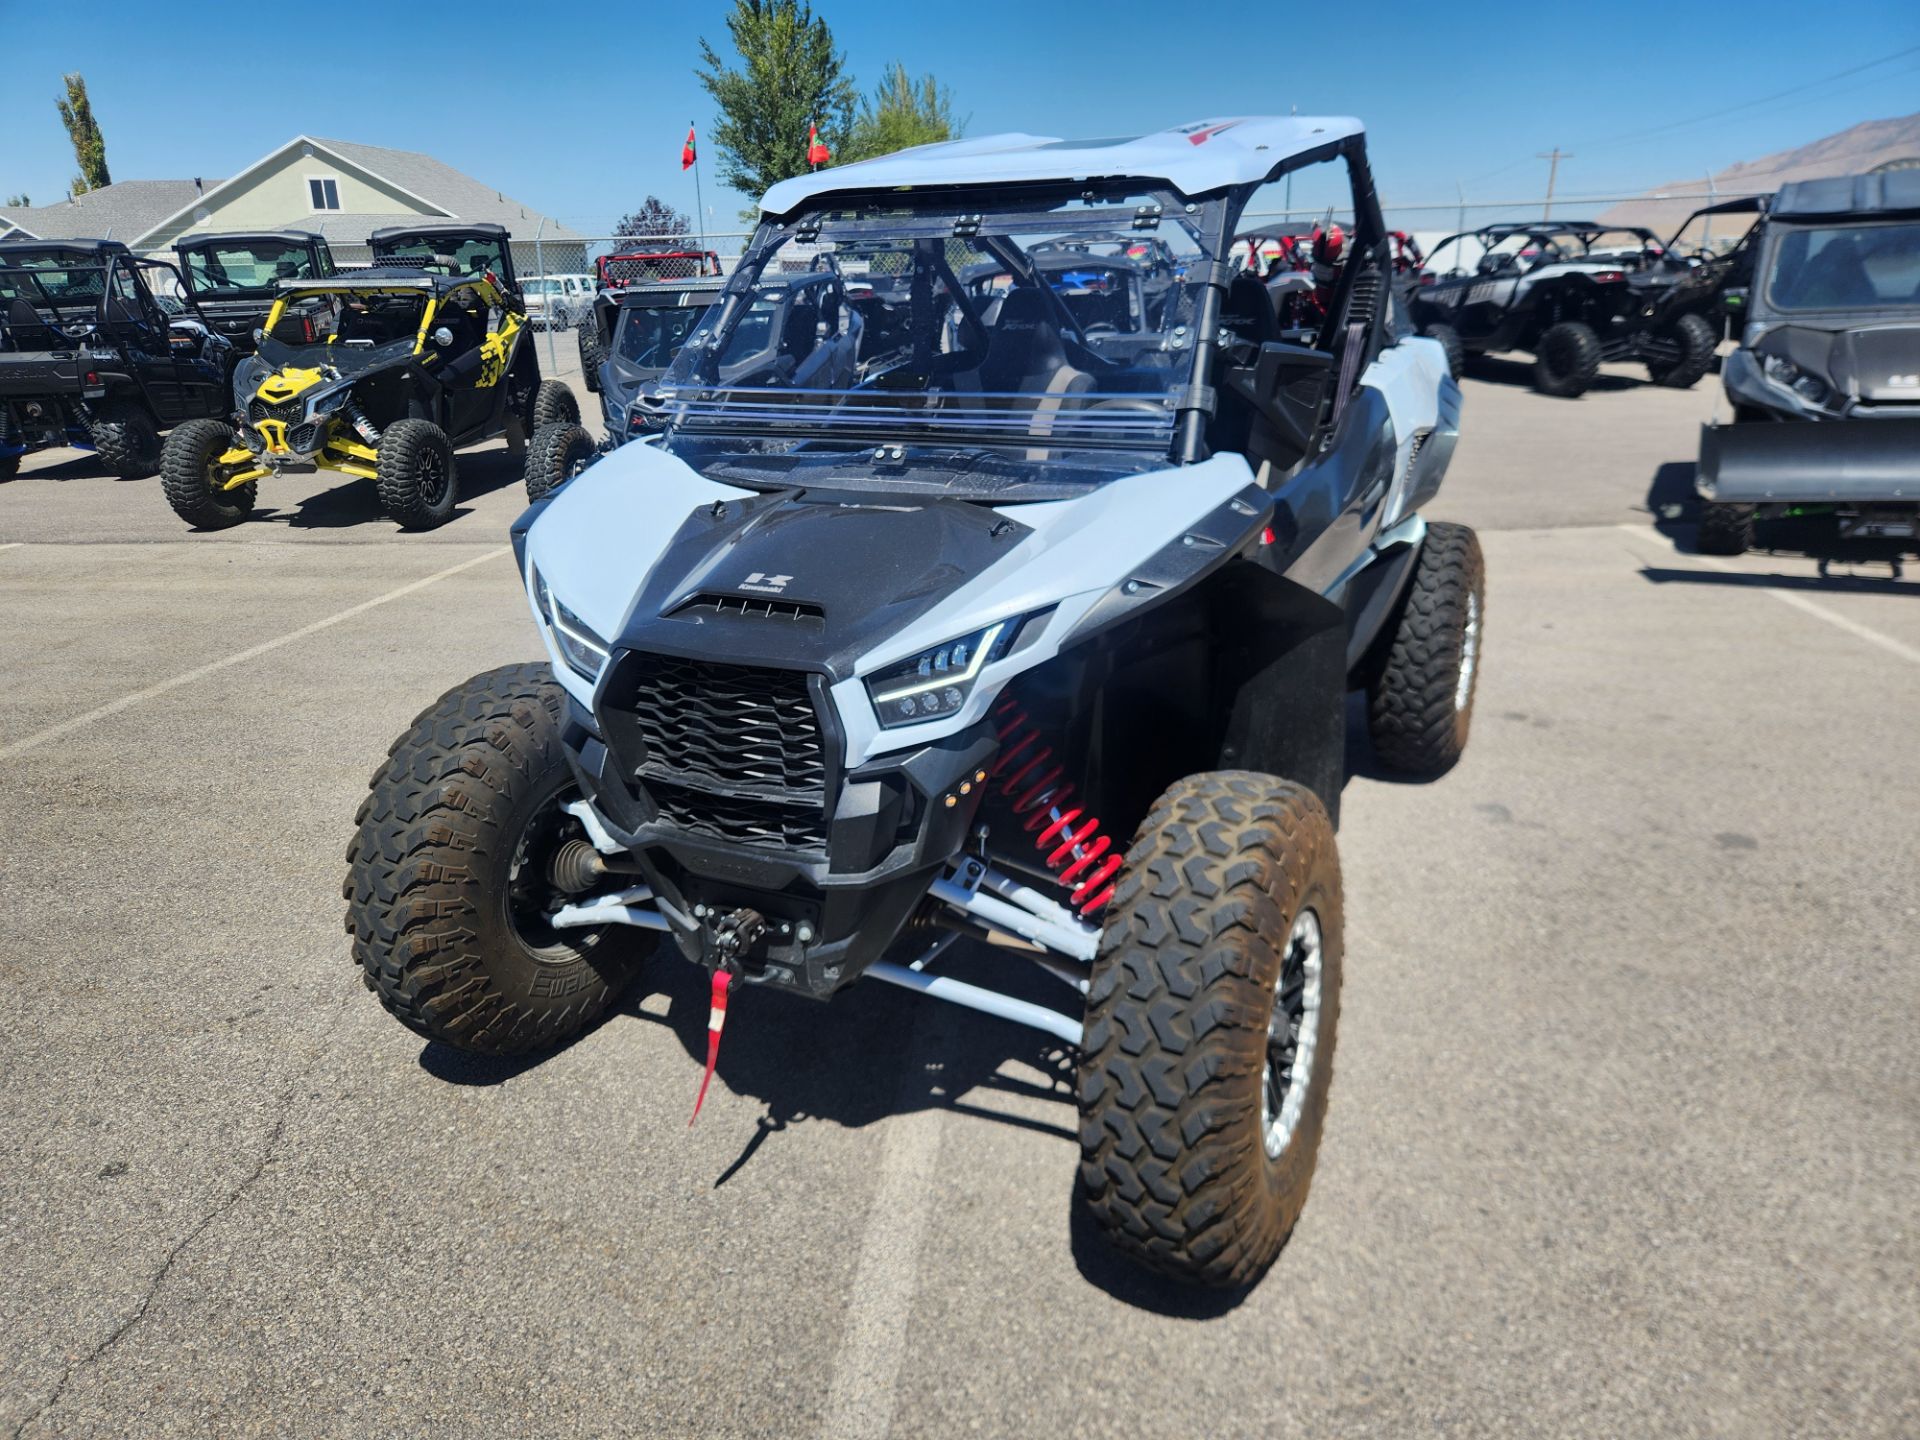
x=531 y=896
x=433 y=478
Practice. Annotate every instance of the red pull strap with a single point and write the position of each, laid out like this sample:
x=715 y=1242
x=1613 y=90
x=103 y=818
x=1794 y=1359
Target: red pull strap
x=716 y=1020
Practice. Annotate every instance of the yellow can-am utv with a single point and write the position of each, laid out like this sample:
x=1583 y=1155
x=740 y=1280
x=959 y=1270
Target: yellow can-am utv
x=381 y=373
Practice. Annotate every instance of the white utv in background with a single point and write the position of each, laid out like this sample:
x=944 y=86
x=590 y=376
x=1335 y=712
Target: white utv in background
x=843 y=671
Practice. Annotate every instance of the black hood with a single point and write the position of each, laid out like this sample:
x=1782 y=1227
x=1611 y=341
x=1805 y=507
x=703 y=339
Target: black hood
x=809 y=579
x=1859 y=360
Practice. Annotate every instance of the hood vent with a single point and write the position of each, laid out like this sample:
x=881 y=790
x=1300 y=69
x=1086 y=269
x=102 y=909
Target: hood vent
x=750 y=607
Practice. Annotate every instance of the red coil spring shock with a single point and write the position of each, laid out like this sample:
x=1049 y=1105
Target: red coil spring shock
x=1067 y=837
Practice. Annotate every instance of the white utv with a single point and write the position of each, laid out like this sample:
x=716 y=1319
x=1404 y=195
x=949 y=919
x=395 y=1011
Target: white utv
x=854 y=660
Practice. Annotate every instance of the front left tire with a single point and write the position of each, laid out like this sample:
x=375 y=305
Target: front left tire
x=1420 y=701
x=450 y=875
x=1687 y=353
x=194 y=482
x=1210 y=1023
x=555 y=454
x=125 y=439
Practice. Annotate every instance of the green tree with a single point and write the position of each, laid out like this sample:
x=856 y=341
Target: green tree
x=900 y=113
x=654 y=217
x=790 y=77
x=89 y=145
x=19 y=201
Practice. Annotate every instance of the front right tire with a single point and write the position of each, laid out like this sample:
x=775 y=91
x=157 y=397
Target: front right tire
x=1725 y=529
x=1210 y=1024
x=449 y=876
x=194 y=482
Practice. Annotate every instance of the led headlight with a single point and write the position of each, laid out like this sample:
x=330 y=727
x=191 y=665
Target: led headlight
x=326 y=401
x=1783 y=371
x=585 y=651
x=937 y=682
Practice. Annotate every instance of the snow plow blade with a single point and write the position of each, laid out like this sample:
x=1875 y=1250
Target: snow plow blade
x=1843 y=461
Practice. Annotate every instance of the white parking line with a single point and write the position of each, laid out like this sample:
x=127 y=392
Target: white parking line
x=200 y=672
x=1802 y=604
x=861 y=1399
x=12 y=545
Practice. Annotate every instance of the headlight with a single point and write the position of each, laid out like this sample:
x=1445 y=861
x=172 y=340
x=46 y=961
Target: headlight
x=585 y=651
x=1783 y=371
x=937 y=682
x=328 y=401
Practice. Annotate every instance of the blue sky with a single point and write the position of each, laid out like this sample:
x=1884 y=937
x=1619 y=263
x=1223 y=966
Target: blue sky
x=593 y=122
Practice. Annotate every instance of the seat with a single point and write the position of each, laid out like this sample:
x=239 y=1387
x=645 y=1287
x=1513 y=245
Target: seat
x=1836 y=278
x=27 y=330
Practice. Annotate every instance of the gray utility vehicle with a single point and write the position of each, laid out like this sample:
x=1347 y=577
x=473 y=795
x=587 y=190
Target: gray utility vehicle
x=89 y=358
x=849 y=665
x=234 y=278
x=801 y=332
x=1825 y=386
x=1573 y=292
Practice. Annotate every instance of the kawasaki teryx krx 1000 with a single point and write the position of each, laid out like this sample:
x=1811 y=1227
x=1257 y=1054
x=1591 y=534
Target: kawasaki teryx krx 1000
x=897 y=640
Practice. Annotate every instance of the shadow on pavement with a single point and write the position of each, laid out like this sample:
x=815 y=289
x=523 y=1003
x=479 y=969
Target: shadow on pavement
x=355 y=501
x=1499 y=370
x=1825 y=582
x=1112 y=1273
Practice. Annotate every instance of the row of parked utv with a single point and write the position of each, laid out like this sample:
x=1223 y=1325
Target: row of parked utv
x=256 y=353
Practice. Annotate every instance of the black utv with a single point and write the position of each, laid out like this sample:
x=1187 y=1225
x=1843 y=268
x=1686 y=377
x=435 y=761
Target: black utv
x=461 y=250
x=234 y=278
x=644 y=328
x=1825 y=386
x=89 y=358
x=380 y=373
x=1575 y=293
x=1711 y=282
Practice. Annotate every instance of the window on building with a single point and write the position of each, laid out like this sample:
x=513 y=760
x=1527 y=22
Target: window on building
x=324 y=193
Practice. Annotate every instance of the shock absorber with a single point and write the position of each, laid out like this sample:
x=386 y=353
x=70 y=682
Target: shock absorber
x=357 y=417
x=1067 y=837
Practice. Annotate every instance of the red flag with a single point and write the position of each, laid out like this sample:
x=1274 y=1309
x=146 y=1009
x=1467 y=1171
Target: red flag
x=817 y=153
x=687 y=156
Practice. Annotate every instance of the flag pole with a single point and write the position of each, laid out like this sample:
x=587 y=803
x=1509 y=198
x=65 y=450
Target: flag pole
x=699 y=201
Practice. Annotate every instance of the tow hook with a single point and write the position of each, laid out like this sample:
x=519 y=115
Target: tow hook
x=734 y=936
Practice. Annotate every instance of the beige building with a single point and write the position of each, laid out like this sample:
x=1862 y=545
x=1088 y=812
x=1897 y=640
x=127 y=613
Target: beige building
x=335 y=188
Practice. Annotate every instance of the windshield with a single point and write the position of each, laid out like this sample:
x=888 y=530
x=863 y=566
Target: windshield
x=448 y=257
x=251 y=267
x=650 y=336
x=996 y=323
x=1846 y=267
x=62 y=277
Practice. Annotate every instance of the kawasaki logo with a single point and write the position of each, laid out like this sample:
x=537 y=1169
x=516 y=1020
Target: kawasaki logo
x=766 y=584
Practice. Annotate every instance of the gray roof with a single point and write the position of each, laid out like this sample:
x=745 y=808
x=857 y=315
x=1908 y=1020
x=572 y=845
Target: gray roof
x=461 y=195
x=1890 y=192
x=128 y=209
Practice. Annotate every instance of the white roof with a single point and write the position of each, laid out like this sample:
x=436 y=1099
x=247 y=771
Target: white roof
x=1194 y=159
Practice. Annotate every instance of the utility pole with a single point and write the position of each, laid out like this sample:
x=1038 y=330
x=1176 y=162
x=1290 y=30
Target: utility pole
x=1554 y=157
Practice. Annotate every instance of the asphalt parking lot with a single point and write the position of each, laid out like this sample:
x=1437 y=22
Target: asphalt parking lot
x=1624 y=1140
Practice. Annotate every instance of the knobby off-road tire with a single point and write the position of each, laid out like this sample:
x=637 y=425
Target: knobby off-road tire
x=1695 y=342
x=451 y=843
x=1450 y=342
x=553 y=404
x=416 y=474
x=191 y=479
x=1725 y=529
x=1566 y=360
x=1420 y=703
x=553 y=455
x=125 y=439
x=1201 y=957
x=588 y=338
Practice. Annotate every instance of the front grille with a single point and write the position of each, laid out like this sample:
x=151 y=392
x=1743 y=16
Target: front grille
x=730 y=751
x=740 y=818
x=304 y=438
x=289 y=411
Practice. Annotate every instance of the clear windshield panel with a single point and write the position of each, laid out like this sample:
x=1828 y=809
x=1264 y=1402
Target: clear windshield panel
x=1030 y=322
x=1846 y=267
x=462 y=258
x=251 y=267
x=650 y=336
